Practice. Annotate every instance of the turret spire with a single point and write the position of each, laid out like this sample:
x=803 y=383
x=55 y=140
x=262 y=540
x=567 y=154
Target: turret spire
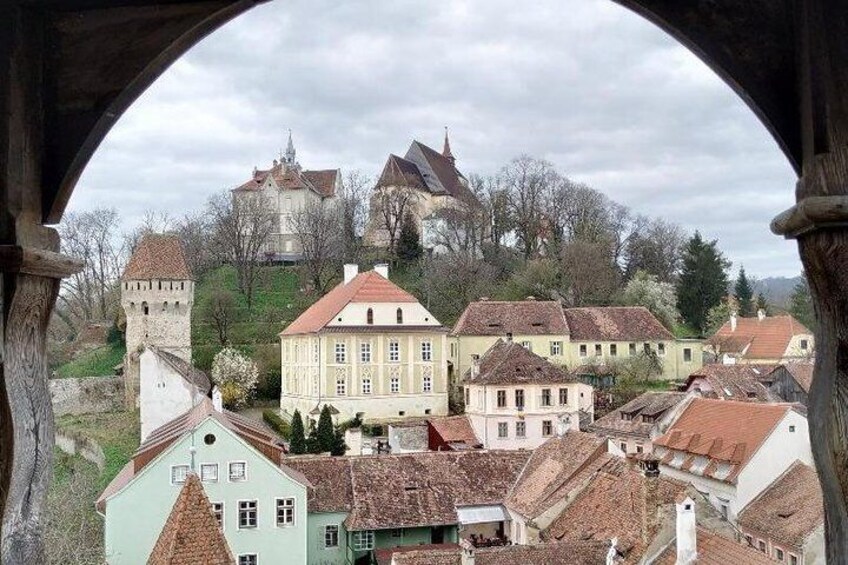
x=447 y=150
x=290 y=152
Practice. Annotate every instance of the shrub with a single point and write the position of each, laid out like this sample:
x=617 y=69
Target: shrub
x=236 y=376
x=273 y=419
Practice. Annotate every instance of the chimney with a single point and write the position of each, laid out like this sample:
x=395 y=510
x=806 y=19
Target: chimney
x=475 y=366
x=563 y=425
x=350 y=272
x=733 y=321
x=687 y=532
x=530 y=298
x=612 y=552
x=382 y=270
x=467 y=549
x=761 y=314
x=217 y=399
x=650 y=498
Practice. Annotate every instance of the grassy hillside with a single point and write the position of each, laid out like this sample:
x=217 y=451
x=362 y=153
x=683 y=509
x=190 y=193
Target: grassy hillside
x=95 y=363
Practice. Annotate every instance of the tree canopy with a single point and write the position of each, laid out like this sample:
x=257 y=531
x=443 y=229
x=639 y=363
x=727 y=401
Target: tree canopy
x=744 y=294
x=703 y=281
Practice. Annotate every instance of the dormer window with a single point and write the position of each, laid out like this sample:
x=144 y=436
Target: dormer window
x=370 y=317
x=399 y=315
x=627 y=417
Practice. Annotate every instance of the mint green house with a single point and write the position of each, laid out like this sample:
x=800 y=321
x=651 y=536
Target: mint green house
x=260 y=504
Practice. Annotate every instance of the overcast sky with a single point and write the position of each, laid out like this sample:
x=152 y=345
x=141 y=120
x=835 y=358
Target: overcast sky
x=604 y=95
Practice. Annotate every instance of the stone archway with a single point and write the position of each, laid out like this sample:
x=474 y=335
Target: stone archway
x=70 y=68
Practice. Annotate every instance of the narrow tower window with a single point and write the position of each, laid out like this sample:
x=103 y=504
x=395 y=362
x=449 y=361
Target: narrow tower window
x=144 y=308
x=370 y=316
x=399 y=316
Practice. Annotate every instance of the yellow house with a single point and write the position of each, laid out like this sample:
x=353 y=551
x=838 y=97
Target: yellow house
x=573 y=337
x=367 y=347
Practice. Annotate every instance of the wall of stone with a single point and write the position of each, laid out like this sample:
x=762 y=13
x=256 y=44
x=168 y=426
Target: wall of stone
x=87 y=395
x=77 y=445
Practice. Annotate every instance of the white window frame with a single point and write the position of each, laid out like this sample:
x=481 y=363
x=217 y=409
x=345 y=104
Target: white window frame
x=613 y=350
x=338 y=536
x=426 y=350
x=503 y=430
x=230 y=472
x=368 y=544
x=394 y=385
x=208 y=465
x=365 y=385
x=365 y=352
x=394 y=351
x=254 y=555
x=632 y=350
x=687 y=351
x=559 y=395
x=661 y=349
x=340 y=351
x=255 y=514
x=185 y=477
x=556 y=348
x=341 y=386
x=583 y=350
x=599 y=350
x=292 y=508
x=523 y=432
x=550 y=424
x=427 y=384
x=220 y=512
x=527 y=345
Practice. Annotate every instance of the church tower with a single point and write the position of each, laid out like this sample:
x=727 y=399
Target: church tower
x=157 y=293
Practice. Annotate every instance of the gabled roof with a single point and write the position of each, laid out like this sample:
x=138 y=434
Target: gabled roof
x=758 y=339
x=321 y=182
x=802 y=373
x=733 y=382
x=189 y=372
x=612 y=506
x=455 y=430
x=718 y=437
x=158 y=256
x=191 y=534
x=615 y=323
x=554 y=470
x=324 y=181
x=408 y=490
x=789 y=510
x=252 y=432
x=447 y=177
x=400 y=172
x=581 y=552
x=525 y=317
x=714 y=549
x=508 y=363
x=368 y=287
x=642 y=414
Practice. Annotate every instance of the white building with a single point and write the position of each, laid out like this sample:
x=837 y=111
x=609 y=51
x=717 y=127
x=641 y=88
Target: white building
x=732 y=451
x=515 y=399
x=168 y=386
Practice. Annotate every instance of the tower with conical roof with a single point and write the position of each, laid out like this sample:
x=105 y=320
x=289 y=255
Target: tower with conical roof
x=446 y=152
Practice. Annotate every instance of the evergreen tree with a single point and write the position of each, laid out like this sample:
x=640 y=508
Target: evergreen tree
x=297 y=445
x=326 y=434
x=744 y=295
x=703 y=281
x=339 y=445
x=409 y=242
x=312 y=443
x=801 y=304
x=762 y=303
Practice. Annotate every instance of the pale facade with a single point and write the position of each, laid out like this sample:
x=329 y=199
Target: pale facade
x=158 y=313
x=378 y=353
x=764 y=340
x=525 y=416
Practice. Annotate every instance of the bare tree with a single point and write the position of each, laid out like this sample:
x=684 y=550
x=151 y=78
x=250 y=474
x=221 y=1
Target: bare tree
x=592 y=276
x=92 y=294
x=220 y=312
x=153 y=221
x=196 y=232
x=655 y=247
x=526 y=182
x=495 y=201
x=389 y=206
x=316 y=227
x=352 y=202
x=461 y=228
x=241 y=228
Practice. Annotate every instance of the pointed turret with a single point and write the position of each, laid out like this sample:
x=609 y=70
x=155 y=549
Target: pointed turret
x=446 y=152
x=290 y=152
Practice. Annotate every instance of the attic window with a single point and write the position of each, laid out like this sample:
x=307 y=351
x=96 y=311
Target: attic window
x=786 y=513
x=687 y=506
x=752 y=394
x=411 y=488
x=537 y=324
x=494 y=325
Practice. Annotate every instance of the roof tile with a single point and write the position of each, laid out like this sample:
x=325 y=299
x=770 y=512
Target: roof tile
x=615 y=323
x=158 y=256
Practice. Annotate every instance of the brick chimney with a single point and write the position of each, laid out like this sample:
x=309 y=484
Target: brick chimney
x=350 y=272
x=687 y=533
x=467 y=557
x=217 y=399
x=475 y=366
x=650 y=497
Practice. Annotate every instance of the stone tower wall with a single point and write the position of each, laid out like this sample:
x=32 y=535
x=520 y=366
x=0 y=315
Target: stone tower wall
x=167 y=323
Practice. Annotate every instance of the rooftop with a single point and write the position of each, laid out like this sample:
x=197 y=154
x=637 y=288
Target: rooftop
x=756 y=338
x=789 y=510
x=158 y=256
x=714 y=549
x=526 y=317
x=455 y=430
x=802 y=373
x=615 y=323
x=189 y=372
x=717 y=438
x=191 y=534
x=733 y=382
x=639 y=416
x=322 y=182
x=508 y=363
x=557 y=553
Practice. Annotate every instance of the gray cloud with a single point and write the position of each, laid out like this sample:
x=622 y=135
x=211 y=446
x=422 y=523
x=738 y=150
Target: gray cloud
x=603 y=94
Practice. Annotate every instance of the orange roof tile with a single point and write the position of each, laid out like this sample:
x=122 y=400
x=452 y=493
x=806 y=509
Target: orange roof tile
x=714 y=549
x=507 y=362
x=158 y=256
x=191 y=534
x=765 y=339
x=802 y=373
x=733 y=382
x=369 y=287
x=455 y=429
x=614 y=323
x=525 y=317
x=725 y=432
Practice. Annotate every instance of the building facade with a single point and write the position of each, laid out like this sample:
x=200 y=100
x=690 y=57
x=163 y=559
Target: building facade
x=367 y=347
x=762 y=340
x=287 y=189
x=515 y=399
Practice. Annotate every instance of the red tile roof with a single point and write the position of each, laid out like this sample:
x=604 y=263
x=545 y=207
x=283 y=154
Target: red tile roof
x=723 y=434
x=191 y=534
x=368 y=287
x=322 y=182
x=643 y=413
x=765 y=339
x=253 y=432
x=733 y=382
x=615 y=323
x=454 y=430
x=789 y=510
x=556 y=553
x=554 y=470
x=802 y=373
x=526 y=317
x=158 y=256
x=714 y=549
x=400 y=172
x=189 y=372
x=507 y=363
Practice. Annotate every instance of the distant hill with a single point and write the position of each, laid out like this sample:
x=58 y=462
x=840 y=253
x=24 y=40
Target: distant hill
x=777 y=289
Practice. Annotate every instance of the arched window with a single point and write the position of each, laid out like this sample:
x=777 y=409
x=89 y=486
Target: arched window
x=160 y=285
x=177 y=306
x=144 y=308
x=165 y=306
x=399 y=315
x=370 y=317
x=132 y=305
x=182 y=286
